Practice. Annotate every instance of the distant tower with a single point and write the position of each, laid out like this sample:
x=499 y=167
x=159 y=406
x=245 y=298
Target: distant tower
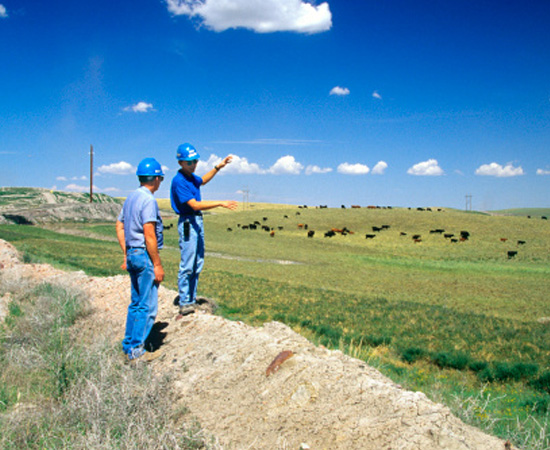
x=468 y=202
x=245 y=192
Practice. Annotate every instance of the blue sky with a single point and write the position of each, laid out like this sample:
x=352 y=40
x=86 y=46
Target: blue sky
x=369 y=102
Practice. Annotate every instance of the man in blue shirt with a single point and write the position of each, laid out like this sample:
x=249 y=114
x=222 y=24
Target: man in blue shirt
x=185 y=196
x=139 y=232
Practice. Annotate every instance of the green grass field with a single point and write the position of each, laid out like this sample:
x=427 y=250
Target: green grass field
x=460 y=321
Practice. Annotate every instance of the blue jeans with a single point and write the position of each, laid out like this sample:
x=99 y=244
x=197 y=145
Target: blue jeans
x=144 y=302
x=192 y=258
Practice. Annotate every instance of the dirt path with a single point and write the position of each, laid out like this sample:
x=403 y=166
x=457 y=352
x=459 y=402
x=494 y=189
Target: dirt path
x=318 y=399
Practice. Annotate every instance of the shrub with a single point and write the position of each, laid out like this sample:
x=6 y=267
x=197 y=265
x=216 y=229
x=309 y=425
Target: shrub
x=478 y=366
x=505 y=371
x=413 y=354
x=542 y=383
x=450 y=360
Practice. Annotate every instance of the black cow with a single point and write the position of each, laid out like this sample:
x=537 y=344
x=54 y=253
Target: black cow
x=370 y=236
x=375 y=229
x=329 y=233
x=521 y=242
x=310 y=233
x=512 y=254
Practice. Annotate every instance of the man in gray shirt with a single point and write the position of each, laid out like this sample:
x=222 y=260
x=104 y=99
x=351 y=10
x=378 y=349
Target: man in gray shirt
x=139 y=232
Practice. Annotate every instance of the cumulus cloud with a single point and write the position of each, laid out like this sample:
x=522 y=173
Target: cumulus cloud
x=337 y=90
x=78 y=188
x=376 y=95
x=140 y=107
x=61 y=178
x=543 y=172
x=238 y=165
x=353 y=169
x=496 y=170
x=287 y=165
x=3 y=12
x=426 y=168
x=261 y=16
x=316 y=169
x=119 y=168
x=379 y=168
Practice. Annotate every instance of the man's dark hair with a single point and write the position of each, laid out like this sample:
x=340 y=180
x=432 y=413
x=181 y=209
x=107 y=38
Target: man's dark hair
x=146 y=178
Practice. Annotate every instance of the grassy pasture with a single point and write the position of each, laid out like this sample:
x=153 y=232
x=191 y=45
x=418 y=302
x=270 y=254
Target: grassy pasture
x=459 y=321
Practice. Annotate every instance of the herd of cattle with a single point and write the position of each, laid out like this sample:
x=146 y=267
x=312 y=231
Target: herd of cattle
x=416 y=238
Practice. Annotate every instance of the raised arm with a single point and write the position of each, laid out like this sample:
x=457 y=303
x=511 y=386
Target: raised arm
x=208 y=176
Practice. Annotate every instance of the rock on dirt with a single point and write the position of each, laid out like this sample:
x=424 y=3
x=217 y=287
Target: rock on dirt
x=317 y=399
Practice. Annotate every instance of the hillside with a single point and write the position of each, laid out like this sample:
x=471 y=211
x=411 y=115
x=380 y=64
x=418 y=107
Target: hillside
x=31 y=206
x=524 y=212
x=318 y=399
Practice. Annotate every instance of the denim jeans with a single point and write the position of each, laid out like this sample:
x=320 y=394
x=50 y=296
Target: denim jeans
x=192 y=258
x=143 y=307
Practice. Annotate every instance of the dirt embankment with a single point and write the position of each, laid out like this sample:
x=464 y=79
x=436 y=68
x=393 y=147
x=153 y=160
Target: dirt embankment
x=318 y=399
x=31 y=206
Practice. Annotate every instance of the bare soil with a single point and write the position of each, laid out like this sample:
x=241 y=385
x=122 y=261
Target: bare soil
x=317 y=399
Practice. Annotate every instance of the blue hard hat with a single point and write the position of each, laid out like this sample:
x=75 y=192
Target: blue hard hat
x=186 y=152
x=149 y=167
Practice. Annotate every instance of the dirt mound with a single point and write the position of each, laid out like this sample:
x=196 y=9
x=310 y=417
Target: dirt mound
x=30 y=206
x=318 y=399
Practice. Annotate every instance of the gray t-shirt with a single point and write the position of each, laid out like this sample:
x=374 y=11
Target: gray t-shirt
x=139 y=208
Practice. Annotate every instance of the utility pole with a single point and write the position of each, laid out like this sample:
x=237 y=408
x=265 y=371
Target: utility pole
x=91 y=173
x=468 y=202
x=245 y=197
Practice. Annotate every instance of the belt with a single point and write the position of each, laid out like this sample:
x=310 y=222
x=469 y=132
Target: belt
x=196 y=213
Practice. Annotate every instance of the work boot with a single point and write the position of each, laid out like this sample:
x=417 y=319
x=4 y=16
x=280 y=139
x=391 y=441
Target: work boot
x=187 y=309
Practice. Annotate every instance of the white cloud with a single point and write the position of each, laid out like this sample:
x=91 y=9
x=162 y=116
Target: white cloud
x=238 y=165
x=119 y=168
x=353 y=169
x=337 y=90
x=376 y=95
x=316 y=169
x=3 y=12
x=81 y=178
x=286 y=165
x=380 y=167
x=165 y=168
x=78 y=188
x=111 y=189
x=496 y=170
x=426 y=168
x=61 y=178
x=262 y=16
x=140 y=107
x=543 y=172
